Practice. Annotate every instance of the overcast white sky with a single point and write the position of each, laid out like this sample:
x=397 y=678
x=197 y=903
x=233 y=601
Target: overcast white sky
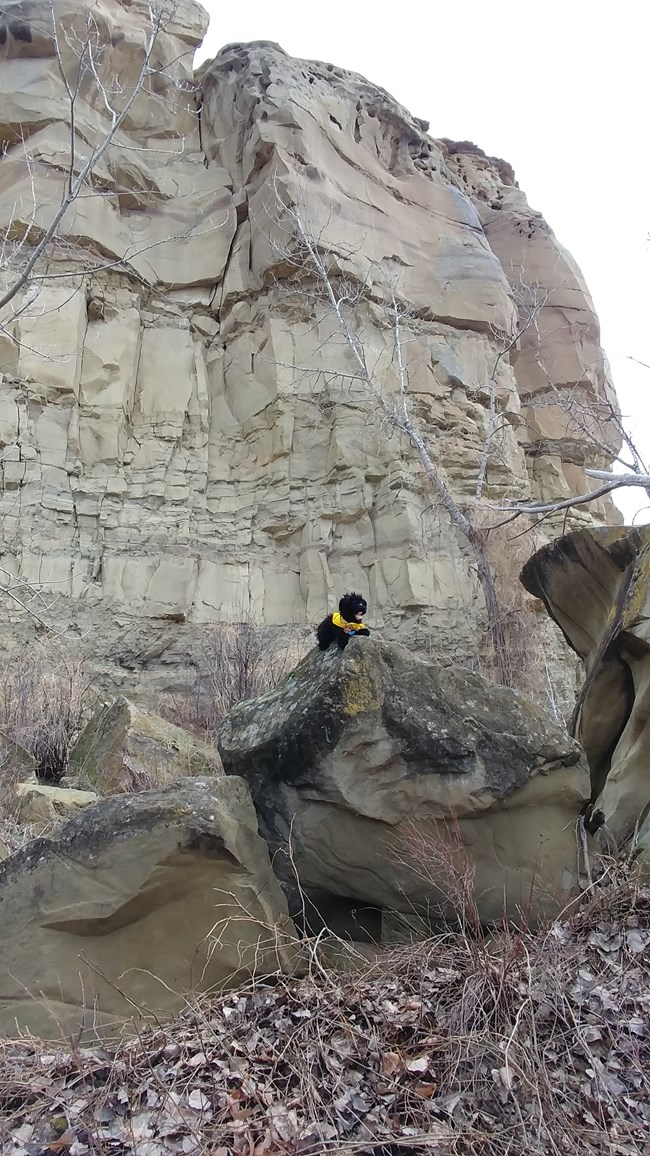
x=560 y=90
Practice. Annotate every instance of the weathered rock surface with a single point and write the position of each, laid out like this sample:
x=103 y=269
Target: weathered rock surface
x=123 y=748
x=595 y=585
x=129 y=907
x=178 y=443
x=373 y=762
x=39 y=803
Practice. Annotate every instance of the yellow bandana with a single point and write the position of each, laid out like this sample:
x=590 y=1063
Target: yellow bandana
x=348 y=627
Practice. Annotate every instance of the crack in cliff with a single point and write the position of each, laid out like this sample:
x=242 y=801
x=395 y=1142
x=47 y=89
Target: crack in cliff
x=198 y=100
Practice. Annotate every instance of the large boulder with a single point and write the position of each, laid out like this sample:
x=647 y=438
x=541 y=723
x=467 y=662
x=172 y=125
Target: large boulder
x=595 y=585
x=123 y=748
x=383 y=771
x=136 y=901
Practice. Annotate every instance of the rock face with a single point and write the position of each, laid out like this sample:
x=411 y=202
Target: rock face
x=123 y=748
x=181 y=439
x=595 y=584
x=382 y=768
x=126 y=909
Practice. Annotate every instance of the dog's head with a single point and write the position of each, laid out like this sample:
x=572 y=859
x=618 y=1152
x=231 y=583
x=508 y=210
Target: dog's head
x=352 y=607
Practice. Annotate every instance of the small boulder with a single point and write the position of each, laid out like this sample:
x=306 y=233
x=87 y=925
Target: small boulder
x=136 y=901
x=39 y=803
x=381 y=770
x=123 y=748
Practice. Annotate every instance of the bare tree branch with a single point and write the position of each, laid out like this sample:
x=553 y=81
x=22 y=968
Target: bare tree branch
x=530 y=309
x=617 y=482
x=75 y=184
x=342 y=296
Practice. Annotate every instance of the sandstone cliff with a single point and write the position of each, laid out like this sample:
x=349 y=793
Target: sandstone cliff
x=179 y=441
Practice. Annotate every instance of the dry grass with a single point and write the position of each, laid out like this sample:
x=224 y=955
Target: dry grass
x=528 y=1043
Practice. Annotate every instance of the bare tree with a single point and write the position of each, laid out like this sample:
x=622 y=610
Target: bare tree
x=304 y=255
x=530 y=299
x=310 y=268
x=86 y=52
x=83 y=60
x=596 y=423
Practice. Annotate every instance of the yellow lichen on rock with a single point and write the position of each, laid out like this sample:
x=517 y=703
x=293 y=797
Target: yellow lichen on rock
x=361 y=692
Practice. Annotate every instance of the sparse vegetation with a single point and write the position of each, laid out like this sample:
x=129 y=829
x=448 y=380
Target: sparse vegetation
x=45 y=693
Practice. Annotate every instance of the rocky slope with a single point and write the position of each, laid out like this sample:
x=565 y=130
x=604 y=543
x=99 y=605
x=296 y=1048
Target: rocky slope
x=179 y=441
x=370 y=794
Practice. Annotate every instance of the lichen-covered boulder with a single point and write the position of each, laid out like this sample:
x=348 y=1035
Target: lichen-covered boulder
x=136 y=901
x=123 y=748
x=380 y=768
x=595 y=585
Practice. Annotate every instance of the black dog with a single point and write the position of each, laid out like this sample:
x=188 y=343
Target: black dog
x=341 y=627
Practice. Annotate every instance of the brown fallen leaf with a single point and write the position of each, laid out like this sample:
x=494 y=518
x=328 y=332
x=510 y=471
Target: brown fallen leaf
x=425 y=1091
x=63 y=1143
x=390 y=1062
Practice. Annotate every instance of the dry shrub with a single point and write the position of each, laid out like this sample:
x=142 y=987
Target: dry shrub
x=436 y=855
x=232 y=663
x=44 y=696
